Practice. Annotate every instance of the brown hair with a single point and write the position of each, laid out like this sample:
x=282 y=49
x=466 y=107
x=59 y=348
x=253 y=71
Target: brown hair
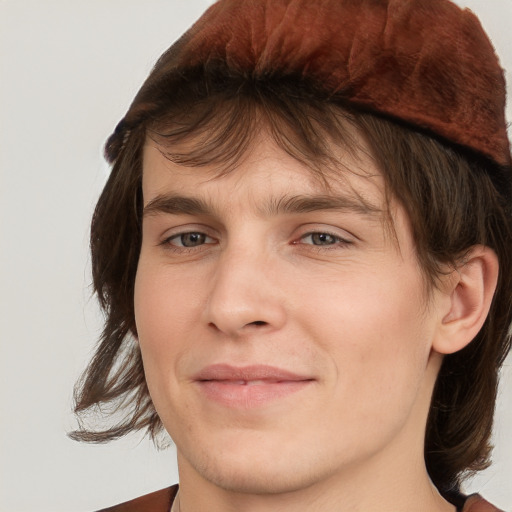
x=455 y=198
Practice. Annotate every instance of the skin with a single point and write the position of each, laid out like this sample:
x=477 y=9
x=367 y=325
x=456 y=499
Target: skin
x=327 y=294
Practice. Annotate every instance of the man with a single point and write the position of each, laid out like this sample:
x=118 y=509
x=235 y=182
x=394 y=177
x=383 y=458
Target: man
x=303 y=251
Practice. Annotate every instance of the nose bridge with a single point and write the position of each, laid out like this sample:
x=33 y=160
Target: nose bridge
x=244 y=292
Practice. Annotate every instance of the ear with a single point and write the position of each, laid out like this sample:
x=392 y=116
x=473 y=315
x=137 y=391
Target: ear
x=470 y=289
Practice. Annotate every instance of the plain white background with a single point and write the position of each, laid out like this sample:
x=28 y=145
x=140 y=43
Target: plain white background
x=68 y=71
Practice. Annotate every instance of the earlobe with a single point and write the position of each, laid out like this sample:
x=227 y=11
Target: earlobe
x=471 y=289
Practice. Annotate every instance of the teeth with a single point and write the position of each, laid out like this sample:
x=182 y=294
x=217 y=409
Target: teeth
x=254 y=382
x=249 y=382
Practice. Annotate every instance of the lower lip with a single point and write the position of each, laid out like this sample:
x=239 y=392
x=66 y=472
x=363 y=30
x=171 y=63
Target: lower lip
x=248 y=396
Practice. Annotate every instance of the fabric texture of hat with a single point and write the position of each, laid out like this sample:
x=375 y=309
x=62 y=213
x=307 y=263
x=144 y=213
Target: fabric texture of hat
x=428 y=63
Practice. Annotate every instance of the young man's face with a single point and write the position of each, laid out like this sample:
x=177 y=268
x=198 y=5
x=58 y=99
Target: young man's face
x=286 y=333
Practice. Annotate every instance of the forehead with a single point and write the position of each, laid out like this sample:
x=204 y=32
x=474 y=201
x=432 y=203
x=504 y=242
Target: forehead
x=265 y=175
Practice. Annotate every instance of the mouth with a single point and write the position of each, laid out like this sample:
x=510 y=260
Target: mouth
x=250 y=386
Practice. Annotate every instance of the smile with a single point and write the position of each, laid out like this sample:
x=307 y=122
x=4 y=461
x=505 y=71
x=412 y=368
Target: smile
x=248 y=387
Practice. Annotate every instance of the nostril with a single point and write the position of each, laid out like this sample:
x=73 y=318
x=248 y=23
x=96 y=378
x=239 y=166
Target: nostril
x=258 y=322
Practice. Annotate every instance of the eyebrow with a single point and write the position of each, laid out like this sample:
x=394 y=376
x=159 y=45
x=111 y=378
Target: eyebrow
x=176 y=205
x=313 y=203
x=184 y=205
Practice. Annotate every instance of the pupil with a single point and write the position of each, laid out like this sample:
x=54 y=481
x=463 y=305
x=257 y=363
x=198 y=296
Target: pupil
x=192 y=239
x=323 y=239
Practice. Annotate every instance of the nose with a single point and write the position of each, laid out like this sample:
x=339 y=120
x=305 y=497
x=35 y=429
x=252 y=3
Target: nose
x=245 y=295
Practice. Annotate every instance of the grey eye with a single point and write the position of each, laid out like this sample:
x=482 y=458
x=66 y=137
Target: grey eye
x=190 y=239
x=322 y=239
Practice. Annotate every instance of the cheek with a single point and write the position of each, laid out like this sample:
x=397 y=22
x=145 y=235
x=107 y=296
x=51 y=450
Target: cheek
x=373 y=330
x=163 y=314
x=164 y=298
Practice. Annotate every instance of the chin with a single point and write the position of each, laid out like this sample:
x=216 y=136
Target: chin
x=260 y=469
x=257 y=480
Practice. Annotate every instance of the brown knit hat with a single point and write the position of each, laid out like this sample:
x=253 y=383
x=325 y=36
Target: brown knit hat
x=426 y=62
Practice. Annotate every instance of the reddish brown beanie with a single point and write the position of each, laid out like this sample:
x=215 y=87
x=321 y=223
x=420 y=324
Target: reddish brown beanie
x=426 y=62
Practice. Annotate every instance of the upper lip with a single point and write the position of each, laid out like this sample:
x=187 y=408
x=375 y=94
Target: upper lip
x=226 y=372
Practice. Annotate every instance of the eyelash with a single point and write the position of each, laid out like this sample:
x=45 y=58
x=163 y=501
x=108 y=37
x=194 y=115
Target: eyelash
x=182 y=248
x=338 y=241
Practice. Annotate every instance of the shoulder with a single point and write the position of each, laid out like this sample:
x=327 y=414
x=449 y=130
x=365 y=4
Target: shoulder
x=158 y=501
x=475 y=503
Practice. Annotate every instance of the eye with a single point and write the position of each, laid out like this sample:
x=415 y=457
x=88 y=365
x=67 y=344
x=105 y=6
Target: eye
x=324 y=239
x=192 y=239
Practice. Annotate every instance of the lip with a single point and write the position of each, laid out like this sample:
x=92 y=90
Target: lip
x=248 y=387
